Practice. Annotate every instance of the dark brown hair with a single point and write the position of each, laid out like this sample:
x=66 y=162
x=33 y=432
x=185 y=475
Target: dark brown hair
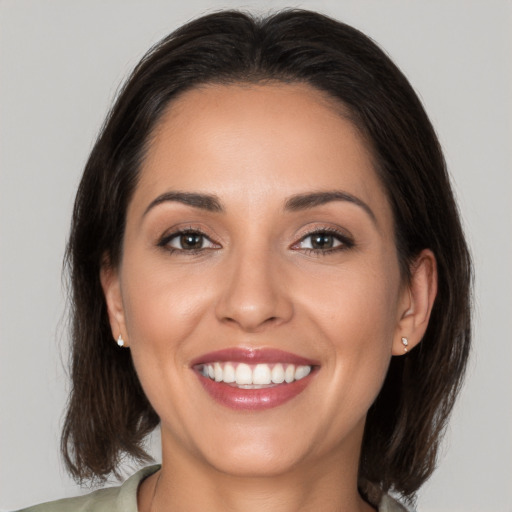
x=108 y=414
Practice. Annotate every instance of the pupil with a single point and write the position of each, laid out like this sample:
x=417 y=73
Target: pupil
x=191 y=241
x=322 y=241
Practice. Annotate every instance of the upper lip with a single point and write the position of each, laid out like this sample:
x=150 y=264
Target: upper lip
x=252 y=356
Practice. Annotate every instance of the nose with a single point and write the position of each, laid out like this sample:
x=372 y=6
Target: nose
x=254 y=294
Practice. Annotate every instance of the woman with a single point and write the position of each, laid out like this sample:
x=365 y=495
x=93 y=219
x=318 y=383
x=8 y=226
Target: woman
x=266 y=228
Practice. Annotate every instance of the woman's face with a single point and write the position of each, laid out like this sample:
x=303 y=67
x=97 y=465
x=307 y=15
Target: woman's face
x=259 y=289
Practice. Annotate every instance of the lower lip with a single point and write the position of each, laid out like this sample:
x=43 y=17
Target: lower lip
x=253 y=399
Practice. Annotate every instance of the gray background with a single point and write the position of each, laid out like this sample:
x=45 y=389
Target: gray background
x=60 y=64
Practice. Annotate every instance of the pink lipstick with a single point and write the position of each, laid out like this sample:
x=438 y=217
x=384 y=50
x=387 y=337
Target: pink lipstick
x=253 y=379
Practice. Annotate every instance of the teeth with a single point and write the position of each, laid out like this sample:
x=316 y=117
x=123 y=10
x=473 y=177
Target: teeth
x=256 y=376
x=229 y=373
x=217 y=370
x=301 y=372
x=278 y=374
x=243 y=374
x=289 y=374
x=262 y=374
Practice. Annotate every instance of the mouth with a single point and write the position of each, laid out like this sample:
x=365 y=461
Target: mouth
x=245 y=376
x=253 y=379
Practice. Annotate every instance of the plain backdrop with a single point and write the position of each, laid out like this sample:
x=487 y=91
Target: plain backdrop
x=61 y=62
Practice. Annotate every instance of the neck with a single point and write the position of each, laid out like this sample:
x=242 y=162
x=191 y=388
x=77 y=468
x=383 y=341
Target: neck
x=186 y=484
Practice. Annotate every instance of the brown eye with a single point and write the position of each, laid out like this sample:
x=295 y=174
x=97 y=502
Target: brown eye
x=191 y=241
x=324 y=242
x=320 y=241
x=187 y=241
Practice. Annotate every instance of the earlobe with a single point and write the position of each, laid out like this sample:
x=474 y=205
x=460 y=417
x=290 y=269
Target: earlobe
x=417 y=304
x=112 y=291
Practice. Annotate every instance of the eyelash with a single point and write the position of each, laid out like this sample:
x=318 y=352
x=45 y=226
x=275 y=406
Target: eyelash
x=345 y=242
x=166 y=240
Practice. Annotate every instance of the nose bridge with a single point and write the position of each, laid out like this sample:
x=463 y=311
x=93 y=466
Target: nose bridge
x=253 y=293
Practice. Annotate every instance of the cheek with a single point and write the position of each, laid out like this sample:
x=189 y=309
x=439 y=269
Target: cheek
x=360 y=330
x=356 y=307
x=354 y=314
x=162 y=309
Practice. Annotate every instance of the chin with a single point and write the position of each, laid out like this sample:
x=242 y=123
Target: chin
x=256 y=462
x=244 y=451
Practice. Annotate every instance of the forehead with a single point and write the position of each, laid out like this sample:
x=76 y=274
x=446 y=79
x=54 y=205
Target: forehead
x=255 y=140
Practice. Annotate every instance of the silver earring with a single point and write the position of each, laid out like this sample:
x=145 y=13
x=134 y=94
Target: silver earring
x=120 y=341
x=405 y=343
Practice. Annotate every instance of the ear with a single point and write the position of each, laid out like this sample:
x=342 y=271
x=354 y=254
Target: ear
x=110 y=283
x=416 y=303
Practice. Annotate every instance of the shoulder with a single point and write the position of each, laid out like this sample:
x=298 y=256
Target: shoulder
x=102 y=500
x=111 y=499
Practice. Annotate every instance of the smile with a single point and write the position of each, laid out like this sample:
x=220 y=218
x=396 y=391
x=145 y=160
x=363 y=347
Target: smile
x=254 y=376
x=253 y=379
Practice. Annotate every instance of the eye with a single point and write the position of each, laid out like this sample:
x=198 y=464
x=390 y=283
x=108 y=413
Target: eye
x=320 y=241
x=187 y=241
x=324 y=241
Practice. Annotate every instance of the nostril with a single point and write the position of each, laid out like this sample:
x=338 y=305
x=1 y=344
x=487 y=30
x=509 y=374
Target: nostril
x=251 y=300
x=250 y=323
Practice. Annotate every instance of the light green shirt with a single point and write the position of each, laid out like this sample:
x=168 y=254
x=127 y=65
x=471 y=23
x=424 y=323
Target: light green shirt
x=124 y=499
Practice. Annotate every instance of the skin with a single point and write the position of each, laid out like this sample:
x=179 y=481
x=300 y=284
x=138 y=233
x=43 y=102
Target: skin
x=257 y=283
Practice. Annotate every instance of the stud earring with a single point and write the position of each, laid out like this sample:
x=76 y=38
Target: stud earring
x=120 y=341
x=405 y=343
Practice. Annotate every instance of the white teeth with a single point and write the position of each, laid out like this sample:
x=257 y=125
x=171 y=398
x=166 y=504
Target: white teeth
x=243 y=374
x=217 y=370
x=289 y=374
x=229 y=373
x=301 y=372
x=252 y=377
x=278 y=374
x=261 y=374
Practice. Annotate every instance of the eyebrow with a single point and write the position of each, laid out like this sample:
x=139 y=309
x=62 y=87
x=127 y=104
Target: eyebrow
x=299 y=202
x=306 y=201
x=207 y=202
